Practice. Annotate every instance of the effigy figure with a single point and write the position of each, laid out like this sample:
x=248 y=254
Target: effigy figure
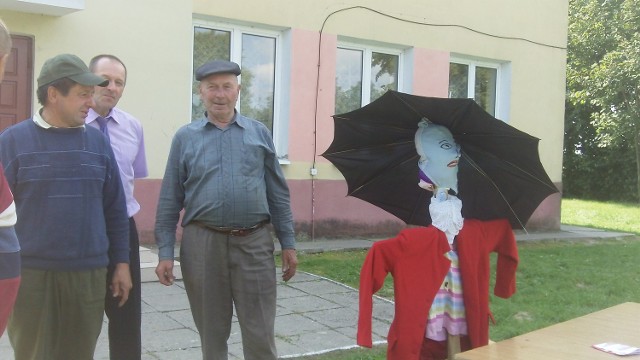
x=440 y=272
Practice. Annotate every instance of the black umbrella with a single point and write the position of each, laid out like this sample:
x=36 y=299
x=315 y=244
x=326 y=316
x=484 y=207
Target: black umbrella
x=499 y=175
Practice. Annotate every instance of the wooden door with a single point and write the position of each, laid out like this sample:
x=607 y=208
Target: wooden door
x=16 y=88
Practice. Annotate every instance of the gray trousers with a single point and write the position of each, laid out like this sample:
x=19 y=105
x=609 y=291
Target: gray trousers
x=220 y=272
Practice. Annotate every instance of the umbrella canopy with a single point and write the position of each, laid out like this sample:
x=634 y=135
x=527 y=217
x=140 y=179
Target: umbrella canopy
x=500 y=174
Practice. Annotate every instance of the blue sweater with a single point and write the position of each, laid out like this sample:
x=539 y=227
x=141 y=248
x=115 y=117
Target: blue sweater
x=69 y=199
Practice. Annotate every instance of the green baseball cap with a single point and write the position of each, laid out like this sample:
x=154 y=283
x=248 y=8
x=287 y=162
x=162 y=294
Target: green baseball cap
x=69 y=66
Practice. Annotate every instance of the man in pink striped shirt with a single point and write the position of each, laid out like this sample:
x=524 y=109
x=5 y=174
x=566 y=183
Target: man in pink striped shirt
x=127 y=141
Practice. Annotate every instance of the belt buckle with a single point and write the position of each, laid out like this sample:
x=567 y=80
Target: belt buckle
x=246 y=231
x=237 y=232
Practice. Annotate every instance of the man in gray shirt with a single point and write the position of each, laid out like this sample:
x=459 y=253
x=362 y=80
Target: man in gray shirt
x=224 y=172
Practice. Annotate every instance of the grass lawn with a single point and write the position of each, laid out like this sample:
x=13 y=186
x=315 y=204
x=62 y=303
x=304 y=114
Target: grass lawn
x=602 y=215
x=557 y=280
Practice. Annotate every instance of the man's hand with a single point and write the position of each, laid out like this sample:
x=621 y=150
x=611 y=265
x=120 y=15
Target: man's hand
x=289 y=263
x=164 y=271
x=121 y=283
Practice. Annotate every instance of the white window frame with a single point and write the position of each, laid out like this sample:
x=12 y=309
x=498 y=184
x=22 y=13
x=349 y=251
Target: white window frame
x=367 y=51
x=282 y=38
x=503 y=81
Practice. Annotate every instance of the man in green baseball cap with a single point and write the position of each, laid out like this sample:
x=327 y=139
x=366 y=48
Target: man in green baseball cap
x=58 y=76
x=72 y=218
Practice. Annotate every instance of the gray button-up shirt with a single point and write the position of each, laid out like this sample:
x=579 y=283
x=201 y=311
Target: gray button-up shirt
x=227 y=177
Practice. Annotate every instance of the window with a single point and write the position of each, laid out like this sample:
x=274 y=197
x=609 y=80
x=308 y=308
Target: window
x=256 y=52
x=379 y=69
x=485 y=82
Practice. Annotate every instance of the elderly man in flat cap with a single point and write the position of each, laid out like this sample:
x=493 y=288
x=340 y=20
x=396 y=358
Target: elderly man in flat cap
x=224 y=172
x=72 y=218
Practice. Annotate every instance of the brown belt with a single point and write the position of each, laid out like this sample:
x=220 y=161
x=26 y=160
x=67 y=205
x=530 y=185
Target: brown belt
x=231 y=230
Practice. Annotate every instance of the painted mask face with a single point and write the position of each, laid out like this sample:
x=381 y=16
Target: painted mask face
x=439 y=155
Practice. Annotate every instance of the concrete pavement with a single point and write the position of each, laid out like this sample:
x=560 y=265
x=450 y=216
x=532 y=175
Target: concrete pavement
x=314 y=314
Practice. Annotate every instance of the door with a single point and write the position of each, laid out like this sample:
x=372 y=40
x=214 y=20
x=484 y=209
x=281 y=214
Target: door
x=16 y=88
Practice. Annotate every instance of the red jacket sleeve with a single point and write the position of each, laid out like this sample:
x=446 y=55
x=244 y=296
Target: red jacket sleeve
x=507 y=262
x=374 y=270
x=477 y=240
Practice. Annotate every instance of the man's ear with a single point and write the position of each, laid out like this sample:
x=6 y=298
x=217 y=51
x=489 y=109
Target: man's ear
x=52 y=94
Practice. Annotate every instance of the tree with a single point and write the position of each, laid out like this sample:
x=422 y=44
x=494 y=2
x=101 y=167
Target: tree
x=602 y=122
x=348 y=99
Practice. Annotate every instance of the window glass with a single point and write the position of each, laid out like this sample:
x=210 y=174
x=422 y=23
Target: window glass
x=458 y=80
x=348 y=80
x=384 y=74
x=258 y=78
x=256 y=55
x=475 y=81
x=363 y=75
x=485 y=88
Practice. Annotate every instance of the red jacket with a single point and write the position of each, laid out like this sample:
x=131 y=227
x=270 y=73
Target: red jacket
x=416 y=260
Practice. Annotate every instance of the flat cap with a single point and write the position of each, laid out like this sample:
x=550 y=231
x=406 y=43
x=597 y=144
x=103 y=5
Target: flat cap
x=217 y=67
x=69 y=66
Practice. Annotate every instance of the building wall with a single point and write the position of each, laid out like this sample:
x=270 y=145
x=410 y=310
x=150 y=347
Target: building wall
x=154 y=39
